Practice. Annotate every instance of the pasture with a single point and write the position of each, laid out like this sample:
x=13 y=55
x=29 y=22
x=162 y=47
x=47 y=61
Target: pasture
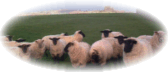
x=35 y=27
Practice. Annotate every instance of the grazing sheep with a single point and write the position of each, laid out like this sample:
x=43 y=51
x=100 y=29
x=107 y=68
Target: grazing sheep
x=147 y=37
x=135 y=50
x=37 y=49
x=57 y=48
x=101 y=51
x=107 y=33
x=78 y=53
x=78 y=36
x=157 y=40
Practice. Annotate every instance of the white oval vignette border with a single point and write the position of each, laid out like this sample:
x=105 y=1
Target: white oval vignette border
x=11 y=8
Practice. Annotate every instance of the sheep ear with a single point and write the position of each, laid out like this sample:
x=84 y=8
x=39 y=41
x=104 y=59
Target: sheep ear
x=28 y=45
x=51 y=38
x=58 y=38
x=20 y=46
x=125 y=37
x=102 y=31
x=115 y=37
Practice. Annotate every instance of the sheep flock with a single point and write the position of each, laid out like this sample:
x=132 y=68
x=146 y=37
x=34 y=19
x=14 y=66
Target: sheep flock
x=112 y=45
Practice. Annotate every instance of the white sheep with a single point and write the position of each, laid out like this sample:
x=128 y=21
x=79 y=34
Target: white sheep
x=47 y=41
x=57 y=48
x=157 y=40
x=135 y=50
x=101 y=51
x=78 y=36
x=109 y=33
x=37 y=49
x=78 y=53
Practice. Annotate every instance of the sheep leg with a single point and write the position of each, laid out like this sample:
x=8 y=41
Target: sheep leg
x=82 y=65
x=55 y=60
x=103 y=62
x=46 y=53
x=62 y=58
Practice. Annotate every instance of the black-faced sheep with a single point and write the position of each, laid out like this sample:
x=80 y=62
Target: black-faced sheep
x=135 y=50
x=57 y=48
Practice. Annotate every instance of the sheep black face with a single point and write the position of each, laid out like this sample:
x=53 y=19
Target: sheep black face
x=20 y=40
x=95 y=57
x=129 y=45
x=24 y=47
x=54 y=40
x=106 y=33
x=80 y=32
x=67 y=46
x=10 y=37
x=121 y=39
x=39 y=42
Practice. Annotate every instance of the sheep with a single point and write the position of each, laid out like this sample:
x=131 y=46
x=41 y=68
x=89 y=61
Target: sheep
x=21 y=51
x=57 y=48
x=107 y=33
x=101 y=51
x=117 y=45
x=37 y=49
x=147 y=37
x=78 y=36
x=47 y=41
x=135 y=50
x=78 y=53
x=157 y=40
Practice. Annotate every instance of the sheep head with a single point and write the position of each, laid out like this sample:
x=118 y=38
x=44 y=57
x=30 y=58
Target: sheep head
x=106 y=32
x=24 y=47
x=39 y=42
x=54 y=40
x=129 y=45
x=121 y=39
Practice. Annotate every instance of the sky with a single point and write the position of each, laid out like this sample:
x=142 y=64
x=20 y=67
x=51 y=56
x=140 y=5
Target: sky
x=81 y=5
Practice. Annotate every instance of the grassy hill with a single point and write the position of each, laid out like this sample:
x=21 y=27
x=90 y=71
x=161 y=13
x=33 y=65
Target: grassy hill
x=35 y=27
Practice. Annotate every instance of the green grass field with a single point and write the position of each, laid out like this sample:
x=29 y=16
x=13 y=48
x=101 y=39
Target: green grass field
x=35 y=27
